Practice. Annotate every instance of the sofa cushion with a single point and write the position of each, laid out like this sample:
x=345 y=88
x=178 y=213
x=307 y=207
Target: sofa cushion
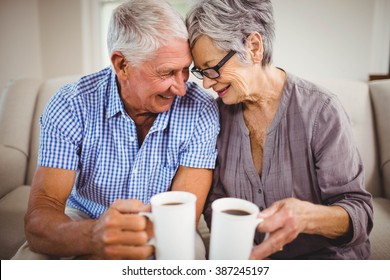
x=380 y=94
x=16 y=111
x=13 y=166
x=204 y=233
x=379 y=237
x=13 y=206
x=17 y=103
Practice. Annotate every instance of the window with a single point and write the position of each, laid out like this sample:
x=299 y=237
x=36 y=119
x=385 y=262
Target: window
x=99 y=13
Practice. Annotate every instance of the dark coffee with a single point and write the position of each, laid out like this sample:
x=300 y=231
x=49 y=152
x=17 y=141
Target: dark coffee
x=236 y=212
x=172 y=203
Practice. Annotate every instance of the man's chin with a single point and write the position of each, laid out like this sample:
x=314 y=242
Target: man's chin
x=165 y=106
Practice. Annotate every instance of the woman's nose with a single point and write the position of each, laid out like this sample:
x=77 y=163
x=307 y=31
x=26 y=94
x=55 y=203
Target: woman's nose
x=207 y=82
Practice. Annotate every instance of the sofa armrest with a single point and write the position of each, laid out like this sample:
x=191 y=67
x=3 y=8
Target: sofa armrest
x=17 y=105
x=380 y=94
x=13 y=207
x=380 y=237
x=13 y=165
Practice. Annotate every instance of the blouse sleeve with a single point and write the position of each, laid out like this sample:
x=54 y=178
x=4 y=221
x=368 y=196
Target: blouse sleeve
x=339 y=169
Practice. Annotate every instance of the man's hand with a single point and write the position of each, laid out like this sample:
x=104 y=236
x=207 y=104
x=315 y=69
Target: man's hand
x=122 y=234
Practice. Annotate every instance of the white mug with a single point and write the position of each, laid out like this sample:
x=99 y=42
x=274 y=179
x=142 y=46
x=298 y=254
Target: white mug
x=173 y=216
x=233 y=227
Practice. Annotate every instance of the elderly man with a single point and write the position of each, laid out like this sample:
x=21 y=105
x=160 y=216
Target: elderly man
x=112 y=140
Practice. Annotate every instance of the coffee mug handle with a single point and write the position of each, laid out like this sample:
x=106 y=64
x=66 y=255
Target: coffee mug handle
x=149 y=215
x=258 y=222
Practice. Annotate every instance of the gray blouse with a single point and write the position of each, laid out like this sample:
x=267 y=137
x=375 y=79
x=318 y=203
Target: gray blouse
x=309 y=154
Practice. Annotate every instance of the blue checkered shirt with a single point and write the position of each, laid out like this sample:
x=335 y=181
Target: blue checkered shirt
x=85 y=127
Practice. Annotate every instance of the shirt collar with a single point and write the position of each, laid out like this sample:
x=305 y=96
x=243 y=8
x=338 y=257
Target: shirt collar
x=115 y=104
x=161 y=121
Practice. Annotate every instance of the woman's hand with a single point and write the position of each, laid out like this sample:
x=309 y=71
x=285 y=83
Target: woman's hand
x=287 y=218
x=284 y=220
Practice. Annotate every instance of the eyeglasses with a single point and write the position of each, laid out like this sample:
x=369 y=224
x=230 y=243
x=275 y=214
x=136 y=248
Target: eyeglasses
x=212 y=72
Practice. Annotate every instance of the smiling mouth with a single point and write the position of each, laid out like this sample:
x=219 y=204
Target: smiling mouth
x=223 y=91
x=167 y=97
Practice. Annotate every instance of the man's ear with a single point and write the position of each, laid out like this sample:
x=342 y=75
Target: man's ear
x=120 y=64
x=254 y=43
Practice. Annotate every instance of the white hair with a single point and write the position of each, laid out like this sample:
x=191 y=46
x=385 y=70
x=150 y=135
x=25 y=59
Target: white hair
x=229 y=22
x=138 y=28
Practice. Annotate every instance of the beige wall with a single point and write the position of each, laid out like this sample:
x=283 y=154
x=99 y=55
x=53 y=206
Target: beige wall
x=380 y=38
x=20 y=46
x=39 y=38
x=61 y=42
x=325 y=37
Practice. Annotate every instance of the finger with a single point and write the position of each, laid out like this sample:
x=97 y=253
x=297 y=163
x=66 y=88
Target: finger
x=270 y=210
x=128 y=238
x=273 y=222
x=273 y=244
x=130 y=206
x=129 y=252
x=115 y=220
x=134 y=222
x=149 y=229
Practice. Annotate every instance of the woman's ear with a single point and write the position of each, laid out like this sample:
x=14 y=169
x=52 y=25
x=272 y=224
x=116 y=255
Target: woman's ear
x=254 y=43
x=120 y=64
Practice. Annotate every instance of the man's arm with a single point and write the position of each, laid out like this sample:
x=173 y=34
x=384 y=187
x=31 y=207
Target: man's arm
x=116 y=235
x=196 y=181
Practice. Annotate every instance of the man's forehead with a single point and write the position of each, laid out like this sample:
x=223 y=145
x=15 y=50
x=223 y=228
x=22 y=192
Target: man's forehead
x=177 y=48
x=174 y=54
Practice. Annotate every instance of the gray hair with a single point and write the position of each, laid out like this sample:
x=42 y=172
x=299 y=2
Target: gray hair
x=138 y=28
x=229 y=22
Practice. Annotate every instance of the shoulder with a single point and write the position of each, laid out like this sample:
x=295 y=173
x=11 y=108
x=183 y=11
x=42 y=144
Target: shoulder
x=303 y=88
x=195 y=103
x=85 y=86
x=306 y=96
x=197 y=109
x=77 y=94
x=71 y=99
x=318 y=106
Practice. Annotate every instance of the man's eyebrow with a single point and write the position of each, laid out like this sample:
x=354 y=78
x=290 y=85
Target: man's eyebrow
x=169 y=69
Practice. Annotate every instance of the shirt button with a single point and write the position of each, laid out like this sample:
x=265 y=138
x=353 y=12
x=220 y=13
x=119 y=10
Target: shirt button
x=259 y=191
x=135 y=170
x=132 y=139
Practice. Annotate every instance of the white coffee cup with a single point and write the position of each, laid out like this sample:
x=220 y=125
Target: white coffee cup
x=232 y=234
x=173 y=216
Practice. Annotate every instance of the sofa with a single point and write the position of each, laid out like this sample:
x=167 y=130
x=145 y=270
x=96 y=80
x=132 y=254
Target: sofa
x=23 y=100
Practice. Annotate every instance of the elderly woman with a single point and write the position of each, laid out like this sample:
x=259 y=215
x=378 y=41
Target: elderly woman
x=285 y=144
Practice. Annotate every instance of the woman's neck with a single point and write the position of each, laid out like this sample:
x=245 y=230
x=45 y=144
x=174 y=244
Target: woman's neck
x=267 y=91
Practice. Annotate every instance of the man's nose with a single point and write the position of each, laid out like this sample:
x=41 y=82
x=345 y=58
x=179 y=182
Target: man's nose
x=179 y=84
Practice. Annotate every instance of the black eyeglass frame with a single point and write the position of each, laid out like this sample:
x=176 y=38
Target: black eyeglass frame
x=199 y=73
